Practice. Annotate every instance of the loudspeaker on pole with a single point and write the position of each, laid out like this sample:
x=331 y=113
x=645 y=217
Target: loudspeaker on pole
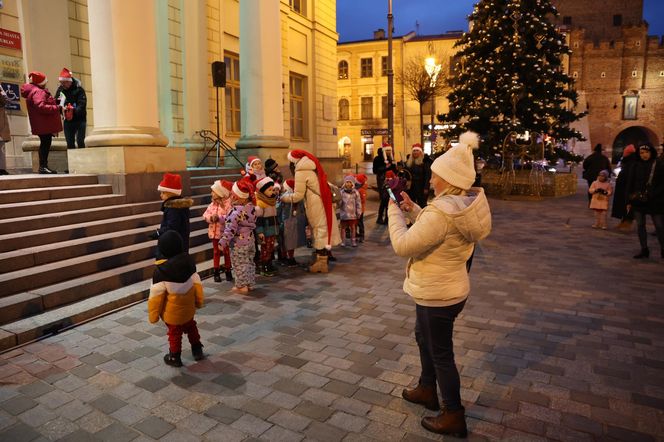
x=219 y=74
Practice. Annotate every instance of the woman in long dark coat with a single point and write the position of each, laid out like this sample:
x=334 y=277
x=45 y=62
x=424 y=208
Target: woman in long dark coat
x=619 y=209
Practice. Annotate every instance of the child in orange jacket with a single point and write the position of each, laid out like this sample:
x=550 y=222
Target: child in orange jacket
x=175 y=294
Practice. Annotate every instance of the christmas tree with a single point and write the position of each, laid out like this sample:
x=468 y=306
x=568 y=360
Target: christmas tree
x=510 y=75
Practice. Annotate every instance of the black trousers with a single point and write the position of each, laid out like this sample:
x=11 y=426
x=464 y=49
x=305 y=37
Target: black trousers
x=44 y=148
x=657 y=219
x=75 y=130
x=433 y=333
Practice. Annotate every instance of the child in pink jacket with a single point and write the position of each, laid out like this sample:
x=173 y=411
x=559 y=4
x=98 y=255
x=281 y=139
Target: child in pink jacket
x=215 y=216
x=600 y=190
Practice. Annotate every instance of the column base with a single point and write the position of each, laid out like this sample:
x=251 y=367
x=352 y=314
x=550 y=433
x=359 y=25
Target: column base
x=126 y=159
x=264 y=147
x=57 y=156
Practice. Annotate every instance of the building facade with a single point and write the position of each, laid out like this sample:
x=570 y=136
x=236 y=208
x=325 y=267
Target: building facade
x=362 y=94
x=619 y=72
x=280 y=88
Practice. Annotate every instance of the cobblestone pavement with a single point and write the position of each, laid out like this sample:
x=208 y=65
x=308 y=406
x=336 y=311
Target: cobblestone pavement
x=562 y=338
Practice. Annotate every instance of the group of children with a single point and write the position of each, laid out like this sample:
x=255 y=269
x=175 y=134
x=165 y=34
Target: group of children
x=247 y=221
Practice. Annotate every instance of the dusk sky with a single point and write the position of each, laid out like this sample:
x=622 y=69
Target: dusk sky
x=357 y=19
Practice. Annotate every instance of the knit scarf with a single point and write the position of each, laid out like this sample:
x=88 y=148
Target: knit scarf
x=266 y=201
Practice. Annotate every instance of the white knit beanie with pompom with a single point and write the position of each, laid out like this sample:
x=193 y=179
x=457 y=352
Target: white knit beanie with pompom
x=457 y=165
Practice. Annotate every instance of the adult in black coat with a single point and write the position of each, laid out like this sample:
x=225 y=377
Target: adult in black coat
x=619 y=209
x=420 y=173
x=640 y=182
x=74 y=96
x=383 y=162
x=593 y=165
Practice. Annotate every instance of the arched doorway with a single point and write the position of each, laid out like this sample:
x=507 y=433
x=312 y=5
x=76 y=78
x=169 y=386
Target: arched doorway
x=635 y=135
x=344 y=151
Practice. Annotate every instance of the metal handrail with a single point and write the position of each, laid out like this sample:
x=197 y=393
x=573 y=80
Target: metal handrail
x=217 y=142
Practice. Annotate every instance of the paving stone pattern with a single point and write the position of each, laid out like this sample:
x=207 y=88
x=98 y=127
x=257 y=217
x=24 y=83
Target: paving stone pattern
x=561 y=339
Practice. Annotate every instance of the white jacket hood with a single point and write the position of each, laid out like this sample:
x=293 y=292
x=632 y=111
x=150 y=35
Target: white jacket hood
x=470 y=213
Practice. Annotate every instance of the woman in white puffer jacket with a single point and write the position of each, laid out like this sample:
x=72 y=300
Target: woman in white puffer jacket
x=439 y=243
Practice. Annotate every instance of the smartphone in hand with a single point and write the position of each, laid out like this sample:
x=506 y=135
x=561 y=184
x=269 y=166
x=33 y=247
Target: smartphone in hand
x=393 y=197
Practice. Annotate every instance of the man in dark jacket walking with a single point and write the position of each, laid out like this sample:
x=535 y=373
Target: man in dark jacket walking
x=73 y=106
x=593 y=165
x=620 y=200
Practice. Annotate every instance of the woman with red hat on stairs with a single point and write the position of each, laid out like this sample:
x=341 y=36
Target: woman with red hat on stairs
x=311 y=186
x=44 y=115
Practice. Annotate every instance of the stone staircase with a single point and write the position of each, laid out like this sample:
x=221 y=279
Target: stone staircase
x=71 y=250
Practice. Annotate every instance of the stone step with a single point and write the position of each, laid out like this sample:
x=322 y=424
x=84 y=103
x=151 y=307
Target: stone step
x=52 y=193
x=49 y=220
x=101 y=293
x=45 y=253
x=33 y=279
x=31 y=209
x=32 y=238
x=196 y=172
x=31 y=181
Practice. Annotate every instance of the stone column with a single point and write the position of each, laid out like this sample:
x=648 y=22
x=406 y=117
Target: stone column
x=261 y=94
x=196 y=68
x=43 y=22
x=126 y=143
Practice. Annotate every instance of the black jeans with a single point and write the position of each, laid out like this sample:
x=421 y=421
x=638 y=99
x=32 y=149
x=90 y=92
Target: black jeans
x=433 y=333
x=657 y=219
x=75 y=130
x=44 y=148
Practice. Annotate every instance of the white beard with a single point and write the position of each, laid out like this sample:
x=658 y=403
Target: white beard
x=415 y=161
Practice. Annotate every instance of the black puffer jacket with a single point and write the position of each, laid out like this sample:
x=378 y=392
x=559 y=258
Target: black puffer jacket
x=75 y=96
x=639 y=181
x=176 y=217
x=620 y=200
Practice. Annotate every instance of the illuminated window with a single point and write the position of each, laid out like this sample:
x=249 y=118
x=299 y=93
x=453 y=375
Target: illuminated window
x=344 y=109
x=343 y=70
x=232 y=93
x=366 y=65
x=298 y=92
x=367 y=108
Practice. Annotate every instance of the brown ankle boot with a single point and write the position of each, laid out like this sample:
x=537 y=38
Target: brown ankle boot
x=448 y=422
x=423 y=395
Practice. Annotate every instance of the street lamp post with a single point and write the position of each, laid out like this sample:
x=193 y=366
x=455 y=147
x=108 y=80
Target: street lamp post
x=390 y=76
x=433 y=70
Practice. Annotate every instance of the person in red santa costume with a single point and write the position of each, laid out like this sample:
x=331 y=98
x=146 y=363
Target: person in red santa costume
x=311 y=185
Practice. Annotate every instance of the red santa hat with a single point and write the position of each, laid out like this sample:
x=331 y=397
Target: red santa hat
x=387 y=146
x=243 y=188
x=417 y=146
x=628 y=150
x=171 y=183
x=389 y=175
x=65 y=75
x=250 y=163
x=222 y=188
x=325 y=194
x=290 y=185
x=264 y=183
x=361 y=178
x=38 y=78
